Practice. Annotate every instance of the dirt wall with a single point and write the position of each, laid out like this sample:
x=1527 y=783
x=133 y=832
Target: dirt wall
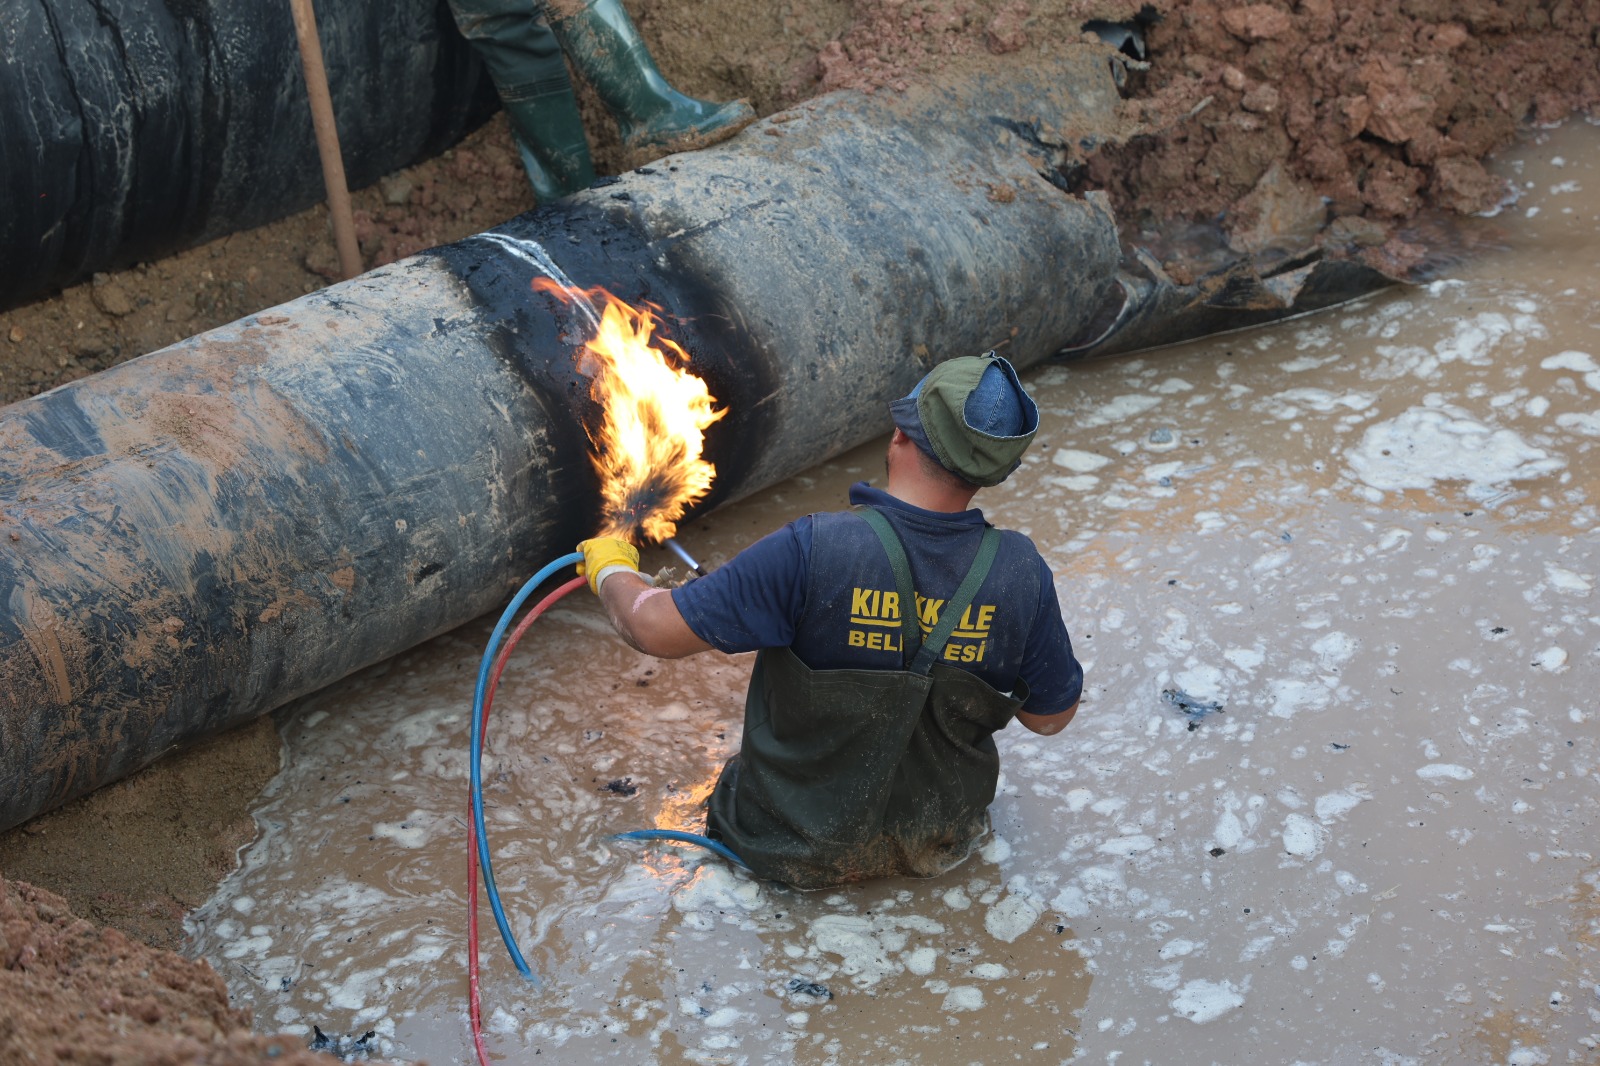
x=1378 y=111
x=77 y=992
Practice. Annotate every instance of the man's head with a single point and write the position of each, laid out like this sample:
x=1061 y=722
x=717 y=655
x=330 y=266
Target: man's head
x=971 y=416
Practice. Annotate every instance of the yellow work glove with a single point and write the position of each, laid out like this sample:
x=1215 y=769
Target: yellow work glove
x=604 y=556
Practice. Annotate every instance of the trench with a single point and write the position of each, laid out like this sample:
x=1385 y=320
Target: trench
x=276 y=503
x=1368 y=535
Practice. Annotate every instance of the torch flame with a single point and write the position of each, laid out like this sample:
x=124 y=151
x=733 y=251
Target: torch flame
x=654 y=413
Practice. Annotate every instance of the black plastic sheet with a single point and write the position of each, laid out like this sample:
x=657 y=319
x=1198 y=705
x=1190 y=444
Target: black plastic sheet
x=132 y=129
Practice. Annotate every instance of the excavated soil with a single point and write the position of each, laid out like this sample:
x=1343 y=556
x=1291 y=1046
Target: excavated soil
x=75 y=992
x=1367 y=113
x=1335 y=123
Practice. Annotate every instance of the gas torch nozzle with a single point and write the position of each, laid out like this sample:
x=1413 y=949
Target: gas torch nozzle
x=677 y=549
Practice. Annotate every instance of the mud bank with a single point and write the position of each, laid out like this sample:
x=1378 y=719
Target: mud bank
x=75 y=992
x=1381 y=108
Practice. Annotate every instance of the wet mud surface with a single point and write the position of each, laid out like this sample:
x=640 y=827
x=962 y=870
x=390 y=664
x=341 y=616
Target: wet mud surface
x=1331 y=785
x=173 y=830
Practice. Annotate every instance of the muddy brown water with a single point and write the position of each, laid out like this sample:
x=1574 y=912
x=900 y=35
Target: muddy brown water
x=1368 y=535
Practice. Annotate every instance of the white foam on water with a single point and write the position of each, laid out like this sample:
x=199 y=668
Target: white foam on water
x=1578 y=362
x=674 y=711
x=1272 y=560
x=1292 y=403
x=1161 y=471
x=1079 y=461
x=429 y=726
x=1584 y=423
x=1426 y=445
x=1118 y=409
x=1335 y=805
x=1202 y=681
x=1334 y=650
x=866 y=948
x=995 y=848
x=1568 y=580
x=1302 y=837
x=413 y=833
x=1206 y=1001
x=1473 y=340
x=1236 y=822
x=1124 y=846
x=1248 y=660
x=963 y=998
x=1304 y=363
x=1444 y=771
x=247 y=946
x=956 y=899
x=1290 y=696
x=1012 y=916
x=1553 y=659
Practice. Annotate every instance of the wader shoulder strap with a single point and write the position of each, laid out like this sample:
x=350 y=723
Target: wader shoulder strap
x=910 y=628
x=952 y=611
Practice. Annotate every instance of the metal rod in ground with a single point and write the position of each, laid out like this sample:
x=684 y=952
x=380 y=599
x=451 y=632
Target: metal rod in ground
x=677 y=549
x=322 y=121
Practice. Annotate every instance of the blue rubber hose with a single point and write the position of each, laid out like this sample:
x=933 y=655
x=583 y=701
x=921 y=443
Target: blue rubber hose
x=485 y=864
x=684 y=838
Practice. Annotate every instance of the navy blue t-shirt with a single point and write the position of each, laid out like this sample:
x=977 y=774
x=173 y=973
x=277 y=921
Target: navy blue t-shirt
x=842 y=612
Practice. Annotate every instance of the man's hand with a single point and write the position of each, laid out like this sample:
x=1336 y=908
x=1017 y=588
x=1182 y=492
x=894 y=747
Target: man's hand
x=645 y=617
x=604 y=556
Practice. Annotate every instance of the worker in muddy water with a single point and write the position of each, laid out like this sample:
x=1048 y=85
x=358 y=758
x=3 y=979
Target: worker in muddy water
x=522 y=42
x=893 y=640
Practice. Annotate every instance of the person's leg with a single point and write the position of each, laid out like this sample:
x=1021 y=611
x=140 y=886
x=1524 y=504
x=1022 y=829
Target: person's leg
x=604 y=45
x=525 y=61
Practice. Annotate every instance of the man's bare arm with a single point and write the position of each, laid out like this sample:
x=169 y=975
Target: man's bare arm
x=647 y=618
x=1047 y=725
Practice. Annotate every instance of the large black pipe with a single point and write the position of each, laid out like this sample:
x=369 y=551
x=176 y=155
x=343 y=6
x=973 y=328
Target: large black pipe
x=1147 y=309
x=135 y=128
x=196 y=537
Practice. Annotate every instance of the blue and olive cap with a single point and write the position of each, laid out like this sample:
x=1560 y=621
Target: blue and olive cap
x=972 y=415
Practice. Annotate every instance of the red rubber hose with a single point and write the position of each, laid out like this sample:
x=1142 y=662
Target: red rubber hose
x=476 y=1009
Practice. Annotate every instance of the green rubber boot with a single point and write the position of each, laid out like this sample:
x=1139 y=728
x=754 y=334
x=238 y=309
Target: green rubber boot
x=550 y=137
x=524 y=60
x=654 y=118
